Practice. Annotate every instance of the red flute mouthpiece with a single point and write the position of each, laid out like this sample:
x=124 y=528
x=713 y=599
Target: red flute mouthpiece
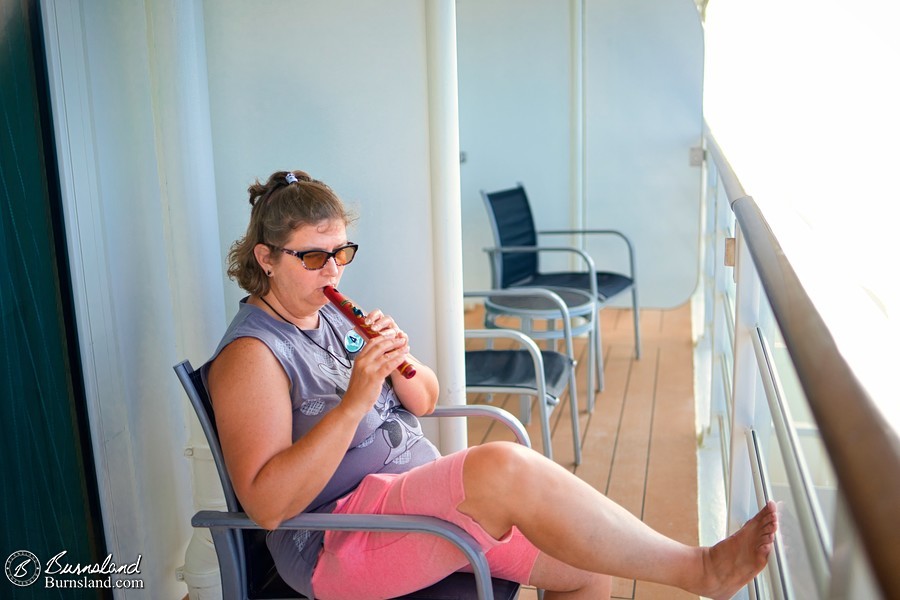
x=358 y=318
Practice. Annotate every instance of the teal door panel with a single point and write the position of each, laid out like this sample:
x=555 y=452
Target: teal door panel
x=47 y=484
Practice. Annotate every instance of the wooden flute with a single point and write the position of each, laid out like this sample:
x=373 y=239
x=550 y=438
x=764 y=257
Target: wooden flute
x=358 y=318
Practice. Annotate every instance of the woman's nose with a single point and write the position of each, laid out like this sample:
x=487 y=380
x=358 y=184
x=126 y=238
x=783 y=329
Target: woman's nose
x=331 y=266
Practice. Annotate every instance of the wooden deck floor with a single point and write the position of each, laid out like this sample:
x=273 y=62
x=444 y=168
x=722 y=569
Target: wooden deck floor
x=639 y=444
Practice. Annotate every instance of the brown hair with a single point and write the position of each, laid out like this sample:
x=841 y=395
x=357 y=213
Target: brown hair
x=287 y=201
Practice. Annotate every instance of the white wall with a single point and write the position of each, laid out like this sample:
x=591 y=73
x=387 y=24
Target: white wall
x=644 y=112
x=642 y=102
x=514 y=107
x=338 y=89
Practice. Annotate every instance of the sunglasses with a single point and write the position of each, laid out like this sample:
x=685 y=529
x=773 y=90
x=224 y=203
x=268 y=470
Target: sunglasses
x=313 y=260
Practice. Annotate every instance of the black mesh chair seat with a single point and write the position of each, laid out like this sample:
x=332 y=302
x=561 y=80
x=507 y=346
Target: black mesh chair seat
x=515 y=369
x=608 y=284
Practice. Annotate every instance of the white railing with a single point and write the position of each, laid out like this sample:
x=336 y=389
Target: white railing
x=792 y=422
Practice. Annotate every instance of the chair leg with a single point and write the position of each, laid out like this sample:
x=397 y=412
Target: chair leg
x=637 y=322
x=576 y=427
x=599 y=355
x=525 y=409
x=553 y=342
x=545 y=426
x=591 y=367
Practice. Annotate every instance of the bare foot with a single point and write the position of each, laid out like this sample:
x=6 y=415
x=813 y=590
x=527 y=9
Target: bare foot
x=733 y=562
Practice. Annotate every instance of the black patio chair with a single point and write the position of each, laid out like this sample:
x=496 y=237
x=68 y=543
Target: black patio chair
x=246 y=567
x=514 y=261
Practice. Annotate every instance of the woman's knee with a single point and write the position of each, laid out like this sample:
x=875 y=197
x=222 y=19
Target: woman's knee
x=494 y=474
x=501 y=465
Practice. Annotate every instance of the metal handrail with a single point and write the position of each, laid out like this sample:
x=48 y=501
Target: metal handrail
x=863 y=448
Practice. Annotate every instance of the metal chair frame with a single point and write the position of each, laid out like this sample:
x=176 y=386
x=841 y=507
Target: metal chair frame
x=537 y=388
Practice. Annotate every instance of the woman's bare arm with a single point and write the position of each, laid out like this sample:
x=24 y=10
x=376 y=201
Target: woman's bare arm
x=274 y=478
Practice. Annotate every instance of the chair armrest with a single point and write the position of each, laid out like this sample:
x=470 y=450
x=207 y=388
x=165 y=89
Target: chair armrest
x=406 y=523
x=615 y=232
x=538 y=249
x=491 y=412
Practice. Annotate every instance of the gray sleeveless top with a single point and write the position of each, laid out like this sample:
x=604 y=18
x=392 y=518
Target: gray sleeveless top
x=388 y=439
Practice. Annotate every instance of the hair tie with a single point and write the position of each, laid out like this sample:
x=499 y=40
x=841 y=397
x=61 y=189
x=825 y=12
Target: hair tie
x=290 y=178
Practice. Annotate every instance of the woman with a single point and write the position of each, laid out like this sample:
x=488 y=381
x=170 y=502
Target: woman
x=311 y=420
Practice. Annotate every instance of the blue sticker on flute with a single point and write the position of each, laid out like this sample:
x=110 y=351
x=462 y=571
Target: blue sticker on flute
x=353 y=341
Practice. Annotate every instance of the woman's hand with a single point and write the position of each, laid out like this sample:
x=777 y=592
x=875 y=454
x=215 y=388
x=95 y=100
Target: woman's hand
x=419 y=394
x=379 y=357
x=385 y=325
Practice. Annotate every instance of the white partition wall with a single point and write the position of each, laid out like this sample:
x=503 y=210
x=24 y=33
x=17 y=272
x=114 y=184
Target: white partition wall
x=338 y=89
x=635 y=69
x=643 y=115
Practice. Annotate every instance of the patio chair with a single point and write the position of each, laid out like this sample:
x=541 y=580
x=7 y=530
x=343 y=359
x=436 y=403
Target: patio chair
x=535 y=374
x=514 y=261
x=246 y=566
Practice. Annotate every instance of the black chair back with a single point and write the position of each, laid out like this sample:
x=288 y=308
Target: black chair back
x=262 y=579
x=513 y=225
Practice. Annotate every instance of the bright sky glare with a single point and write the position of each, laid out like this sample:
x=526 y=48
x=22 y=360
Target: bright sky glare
x=803 y=96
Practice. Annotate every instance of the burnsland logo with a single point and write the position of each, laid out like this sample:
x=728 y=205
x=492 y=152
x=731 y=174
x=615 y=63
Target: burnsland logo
x=23 y=569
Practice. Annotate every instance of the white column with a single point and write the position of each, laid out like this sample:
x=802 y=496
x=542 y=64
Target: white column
x=446 y=220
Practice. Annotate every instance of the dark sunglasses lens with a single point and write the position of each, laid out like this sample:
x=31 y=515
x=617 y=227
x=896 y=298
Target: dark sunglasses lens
x=315 y=260
x=345 y=255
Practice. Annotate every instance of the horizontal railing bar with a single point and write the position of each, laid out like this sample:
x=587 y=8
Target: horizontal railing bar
x=864 y=450
x=812 y=526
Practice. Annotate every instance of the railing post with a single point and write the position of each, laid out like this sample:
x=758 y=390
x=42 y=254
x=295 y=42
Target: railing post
x=741 y=494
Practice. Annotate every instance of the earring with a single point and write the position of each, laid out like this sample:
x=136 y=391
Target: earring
x=269 y=273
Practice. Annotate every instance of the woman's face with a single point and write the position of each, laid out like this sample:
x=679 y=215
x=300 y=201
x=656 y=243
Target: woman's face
x=297 y=288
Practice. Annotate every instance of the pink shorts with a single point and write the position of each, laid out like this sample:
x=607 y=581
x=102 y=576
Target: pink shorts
x=357 y=565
